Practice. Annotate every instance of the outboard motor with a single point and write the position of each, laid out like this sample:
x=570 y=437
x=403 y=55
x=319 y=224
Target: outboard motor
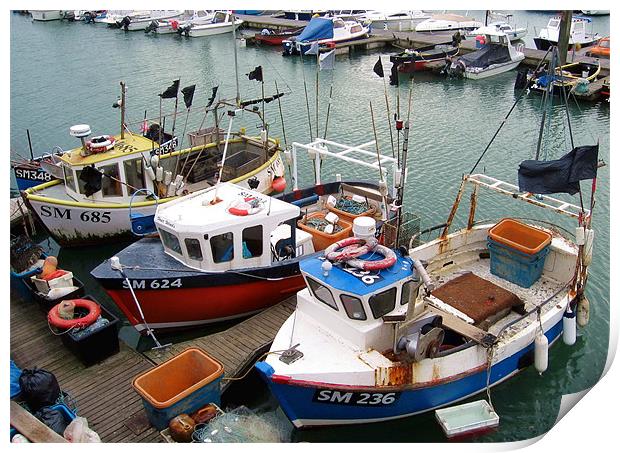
x=89 y=17
x=456 y=69
x=124 y=24
x=152 y=26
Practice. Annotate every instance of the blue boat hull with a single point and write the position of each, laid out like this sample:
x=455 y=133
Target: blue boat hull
x=309 y=405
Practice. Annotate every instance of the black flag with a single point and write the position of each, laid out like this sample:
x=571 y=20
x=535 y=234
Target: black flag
x=561 y=175
x=172 y=91
x=378 y=68
x=256 y=74
x=188 y=95
x=394 y=75
x=212 y=98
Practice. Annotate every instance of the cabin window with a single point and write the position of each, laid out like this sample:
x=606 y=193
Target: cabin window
x=383 y=303
x=338 y=24
x=356 y=28
x=353 y=306
x=222 y=248
x=554 y=23
x=111 y=187
x=405 y=292
x=604 y=44
x=69 y=178
x=252 y=241
x=322 y=293
x=193 y=249
x=171 y=241
x=134 y=175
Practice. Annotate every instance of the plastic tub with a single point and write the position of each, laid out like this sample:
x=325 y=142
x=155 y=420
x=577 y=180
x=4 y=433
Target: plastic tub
x=182 y=384
x=322 y=240
x=96 y=345
x=519 y=236
x=44 y=286
x=347 y=216
x=515 y=266
x=467 y=418
x=66 y=412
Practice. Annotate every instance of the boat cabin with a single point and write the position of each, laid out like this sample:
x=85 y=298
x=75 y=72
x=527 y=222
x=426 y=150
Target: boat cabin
x=577 y=29
x=355 y=304
x=228 y=227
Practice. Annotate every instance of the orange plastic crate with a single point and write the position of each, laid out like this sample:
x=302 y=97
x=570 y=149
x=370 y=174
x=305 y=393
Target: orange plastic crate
x=519 y=236
x=322 y=240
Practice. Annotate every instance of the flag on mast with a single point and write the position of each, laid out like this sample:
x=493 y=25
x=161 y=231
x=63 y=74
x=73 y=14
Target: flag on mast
x=188 y=95
x=256 y=74
x=378 y=68
x=327 y=60
x=314 y=49
x=212 y=98
x=172 y=91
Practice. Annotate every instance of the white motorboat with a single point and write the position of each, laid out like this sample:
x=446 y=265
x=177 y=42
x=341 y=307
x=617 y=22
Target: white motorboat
x=514 y=34
x=129 y=23
x=45 y=15
x=113 y=16
x=448 y=22
x=497 y=55
x=181 y=24
x=598 y=12
x=395 y=20
x=549 y=35
x=323 y=30
x=222 y=22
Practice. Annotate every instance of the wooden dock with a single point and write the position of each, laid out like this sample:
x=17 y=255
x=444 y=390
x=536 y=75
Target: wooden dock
x=103 y=392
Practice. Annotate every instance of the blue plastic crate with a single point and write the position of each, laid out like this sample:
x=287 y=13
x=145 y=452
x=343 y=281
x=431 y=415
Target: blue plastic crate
x=68 y=413
x=515 y=266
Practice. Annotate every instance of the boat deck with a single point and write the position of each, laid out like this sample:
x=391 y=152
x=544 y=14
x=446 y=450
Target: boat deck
x=103 y=392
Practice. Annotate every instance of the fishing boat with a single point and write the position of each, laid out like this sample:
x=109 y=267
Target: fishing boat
x=275 y=38
x=227 y=251
x=180 y=24
x=222 y=22
x=109 y=176
x=514 y=34
x=324 y=30
x=135 y=23
x=424 y=58
x=549 y=36
x=566 y=77
x=30 y=172
x=448 y=22
x=393 y=20
x=45 y=15
x=497 y=56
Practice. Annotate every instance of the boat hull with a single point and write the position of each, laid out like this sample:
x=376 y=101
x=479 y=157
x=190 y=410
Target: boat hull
x=312 y=404
x=30 y=177
x=492 y=71
x=46 y=15
x=546 y=44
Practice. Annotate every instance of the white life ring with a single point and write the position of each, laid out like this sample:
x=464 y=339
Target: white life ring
x=245 y=206
x=345 y=249
x=101 y=143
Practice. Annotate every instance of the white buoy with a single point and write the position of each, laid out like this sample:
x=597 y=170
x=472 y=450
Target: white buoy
x=580 y=236
x=154 y=160
x=583 y=311
x=364 y=227
x=588 y=247
x=159 y=174
x=167 y=177
x=263 y=136
x=172 y=189
x=150 y=172
x=541 y=353
x=178 y=180
x=332 y=218
x=569 y=327
x=326 y=267
x=180 y=188
x=331 y=201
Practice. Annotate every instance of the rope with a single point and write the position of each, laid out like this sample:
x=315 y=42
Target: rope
x=250 y=369
x=490 y=352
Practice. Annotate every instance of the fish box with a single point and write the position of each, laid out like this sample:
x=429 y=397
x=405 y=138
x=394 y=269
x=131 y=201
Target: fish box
x=518 y=252
x=96 y=345
x=348 y=216
x=322 y=240
x=182 y=384
x=467 y=419
x=44 y=286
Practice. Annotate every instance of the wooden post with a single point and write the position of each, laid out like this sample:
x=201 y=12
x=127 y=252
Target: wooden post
x=565 y=25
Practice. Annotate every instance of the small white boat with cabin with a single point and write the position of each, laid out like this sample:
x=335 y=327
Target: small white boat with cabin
x=135 y=23
x=181 y=24
x=448 y=22
x=394 y=20
x=324 y=30
x=497 y=55
x=221 y=22
x=514 y=34
x=112 y=17
x=579 y=34
x=44 y=15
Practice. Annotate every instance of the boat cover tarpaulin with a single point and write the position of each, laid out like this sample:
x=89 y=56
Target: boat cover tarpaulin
x=318 y=28
x=561 y=175
x=485 y=57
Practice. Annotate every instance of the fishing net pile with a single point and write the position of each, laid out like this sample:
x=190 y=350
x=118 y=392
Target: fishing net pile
x=241 y=425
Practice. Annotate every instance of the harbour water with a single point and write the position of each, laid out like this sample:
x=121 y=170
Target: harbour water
x=64 y=74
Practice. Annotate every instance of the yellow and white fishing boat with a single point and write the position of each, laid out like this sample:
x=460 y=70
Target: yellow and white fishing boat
x=111 y=178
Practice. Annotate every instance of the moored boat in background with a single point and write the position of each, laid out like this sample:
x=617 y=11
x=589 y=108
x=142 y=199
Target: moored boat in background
x=221 y=22
x=324 y=30
x=424 y=58
x=549 y=36
x=44 y=15
x=448 y=22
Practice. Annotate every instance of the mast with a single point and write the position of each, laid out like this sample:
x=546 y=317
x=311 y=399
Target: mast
x=123 y=109
x=238 y=98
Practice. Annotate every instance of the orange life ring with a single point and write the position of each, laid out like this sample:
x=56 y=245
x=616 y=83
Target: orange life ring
x=244 y=206
x=100 y=143
x=345 y=250
x=94 y=311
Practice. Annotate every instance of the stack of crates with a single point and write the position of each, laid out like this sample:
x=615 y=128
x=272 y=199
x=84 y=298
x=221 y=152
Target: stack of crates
x=518 y=251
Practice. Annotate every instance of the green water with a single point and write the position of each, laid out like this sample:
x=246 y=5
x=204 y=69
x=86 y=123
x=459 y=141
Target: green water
x=64 y=74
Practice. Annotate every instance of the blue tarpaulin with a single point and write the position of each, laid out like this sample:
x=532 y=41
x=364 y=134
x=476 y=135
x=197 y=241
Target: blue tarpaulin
x=15 y=374
x=318 y=28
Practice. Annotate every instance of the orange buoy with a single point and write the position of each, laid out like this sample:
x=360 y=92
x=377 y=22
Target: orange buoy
x=279 y=184
x=94 y=311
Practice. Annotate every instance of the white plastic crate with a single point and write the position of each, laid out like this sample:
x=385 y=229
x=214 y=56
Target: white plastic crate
x=467 y=418
x=44 y=286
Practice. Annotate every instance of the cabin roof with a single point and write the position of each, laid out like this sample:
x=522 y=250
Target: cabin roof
x=350 y=283
x=131 y=144
x=196 y=213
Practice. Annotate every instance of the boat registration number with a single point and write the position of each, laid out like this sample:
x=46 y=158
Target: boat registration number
x=163 y=283
x=166 y=147
x=32 y=175
x=355 y=398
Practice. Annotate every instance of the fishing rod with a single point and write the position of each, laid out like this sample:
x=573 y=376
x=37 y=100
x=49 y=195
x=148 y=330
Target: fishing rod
x=382 y=184
x=303 y=72
x=281 y=115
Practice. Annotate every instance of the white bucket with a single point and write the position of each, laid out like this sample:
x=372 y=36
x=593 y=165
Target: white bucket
x=364 y=227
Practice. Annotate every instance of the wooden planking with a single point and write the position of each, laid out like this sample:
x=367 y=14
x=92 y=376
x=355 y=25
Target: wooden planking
x=239 y=346
x=30 y=426
x=103 y=392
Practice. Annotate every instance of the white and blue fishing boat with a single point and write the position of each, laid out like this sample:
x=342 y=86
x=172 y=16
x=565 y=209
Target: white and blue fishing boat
x=446 y=321
x=324 y=30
